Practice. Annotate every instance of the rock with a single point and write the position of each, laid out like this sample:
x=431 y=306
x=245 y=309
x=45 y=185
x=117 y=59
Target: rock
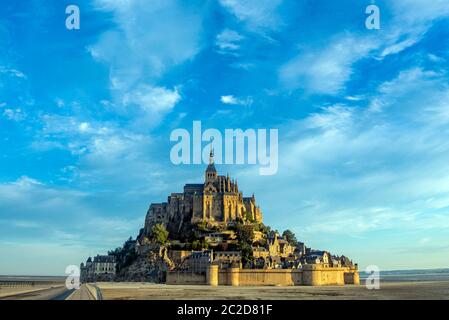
x=150 y=266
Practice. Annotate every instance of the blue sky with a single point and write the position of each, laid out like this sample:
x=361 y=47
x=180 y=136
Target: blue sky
x=363 y=120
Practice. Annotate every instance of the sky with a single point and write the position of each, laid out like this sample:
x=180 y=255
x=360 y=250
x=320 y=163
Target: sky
x=362 y=116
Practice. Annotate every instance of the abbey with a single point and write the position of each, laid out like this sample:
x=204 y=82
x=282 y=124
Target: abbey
x=210 y=234
x=216 y=201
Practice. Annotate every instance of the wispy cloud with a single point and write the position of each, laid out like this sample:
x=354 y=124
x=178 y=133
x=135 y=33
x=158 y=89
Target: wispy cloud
x=257 y=14
x=396 y=157
x=152 y=102
x=12 y=72
x=148 y=41
x=327 y=69
x=231 y=100
x=14 y=114
x=228 y=42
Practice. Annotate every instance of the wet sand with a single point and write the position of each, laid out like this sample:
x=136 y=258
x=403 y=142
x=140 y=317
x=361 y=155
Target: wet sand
x=388 y=290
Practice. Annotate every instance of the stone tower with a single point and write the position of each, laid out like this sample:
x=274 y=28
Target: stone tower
x=211 y=172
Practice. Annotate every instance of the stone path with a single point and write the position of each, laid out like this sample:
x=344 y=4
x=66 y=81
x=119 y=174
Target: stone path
x=81 y=294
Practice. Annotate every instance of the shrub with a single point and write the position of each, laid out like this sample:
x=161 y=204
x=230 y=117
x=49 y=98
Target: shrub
x=159 y=234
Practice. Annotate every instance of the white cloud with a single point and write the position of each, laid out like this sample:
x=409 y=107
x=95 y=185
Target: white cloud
x=327 y=70
x=26 y=182
x=409 y=23
x=228 y=42
x=399 y=46
x=100 y=144
x=354 y=98
x=231 y=100
x=63 y=225
x=419 y=12
x=99 y=149
x=391 y=164
x=154 y=100
x=257 y=14
x=156 y=35
x=59 y=102
x=150 y=38
x=61 y=211
x=14 y=114
x=12 y=72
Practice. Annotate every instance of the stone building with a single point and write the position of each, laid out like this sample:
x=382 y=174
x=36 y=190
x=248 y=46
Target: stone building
x=216 y=201
x=280 y=247
x=318 y=257
x=199 y=261
x=227 y=258
x=101 y=268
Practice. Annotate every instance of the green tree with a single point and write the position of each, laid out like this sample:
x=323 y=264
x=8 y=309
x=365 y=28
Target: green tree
x=245 y=233
x=247 y=253
x=290 y=237
x=199 y=245
x=249 y=217
x=159 y=234
x=202 y=226
x=196 y=245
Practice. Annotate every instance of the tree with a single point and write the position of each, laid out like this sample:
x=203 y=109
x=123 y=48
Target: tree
x=199 y=245
x=245 y=233
x=159 y=234
x=202 y=226
x=262 y=228
x=249 y=217
x=272 y=233
x=247 y=253
x=290 y=237
x=196 y=245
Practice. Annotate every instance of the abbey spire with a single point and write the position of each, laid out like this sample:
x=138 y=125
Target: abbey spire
x=211 y=172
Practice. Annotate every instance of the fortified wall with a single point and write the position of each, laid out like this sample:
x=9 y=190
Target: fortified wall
x=309 y=275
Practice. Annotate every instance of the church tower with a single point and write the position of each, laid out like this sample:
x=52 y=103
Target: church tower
x=211 y=172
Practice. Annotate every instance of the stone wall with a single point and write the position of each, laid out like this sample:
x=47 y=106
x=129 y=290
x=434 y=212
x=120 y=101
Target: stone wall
x=321 y=275
x=179 y=278
x=270 y=277
x=310 y=275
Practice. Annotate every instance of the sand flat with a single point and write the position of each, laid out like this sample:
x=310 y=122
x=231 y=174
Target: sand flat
x=6 y=291
x=388 y=290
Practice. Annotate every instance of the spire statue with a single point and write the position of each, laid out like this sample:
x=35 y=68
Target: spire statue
x=211 y=154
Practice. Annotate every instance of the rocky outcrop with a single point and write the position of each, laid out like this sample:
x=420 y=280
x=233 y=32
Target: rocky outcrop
x=150 y=266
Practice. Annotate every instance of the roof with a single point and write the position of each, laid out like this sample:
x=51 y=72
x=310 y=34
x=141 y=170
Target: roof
x=317 y=253
x=194 y=186
x=104 y=259
x=211 y=168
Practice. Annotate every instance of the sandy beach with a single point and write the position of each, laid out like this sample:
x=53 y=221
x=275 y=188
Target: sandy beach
x=388 y=290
